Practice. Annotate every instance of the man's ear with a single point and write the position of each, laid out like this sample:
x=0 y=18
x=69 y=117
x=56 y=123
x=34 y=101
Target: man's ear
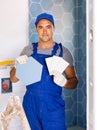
x=54 y=28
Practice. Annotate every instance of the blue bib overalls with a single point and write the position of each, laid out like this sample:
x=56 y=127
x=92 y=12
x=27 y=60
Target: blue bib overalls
x=43 y=104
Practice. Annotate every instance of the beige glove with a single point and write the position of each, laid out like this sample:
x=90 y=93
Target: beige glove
x=59 y=78
x=22 y=59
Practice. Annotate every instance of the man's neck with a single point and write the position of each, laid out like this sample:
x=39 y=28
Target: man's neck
x=45 y=45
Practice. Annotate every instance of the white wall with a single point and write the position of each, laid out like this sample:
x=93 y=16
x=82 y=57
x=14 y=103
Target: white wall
x=92 y=65
x=13 y=37
x=95 y=64
x=90 y=85
x=13 y=27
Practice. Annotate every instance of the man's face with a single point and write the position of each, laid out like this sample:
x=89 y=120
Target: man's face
x=45 y=30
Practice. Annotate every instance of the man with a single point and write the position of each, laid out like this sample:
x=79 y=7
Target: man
x=43 y=103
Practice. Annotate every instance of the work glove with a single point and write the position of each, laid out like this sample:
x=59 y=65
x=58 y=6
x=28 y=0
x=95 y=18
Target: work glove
x=22 y=59
x=59 y=78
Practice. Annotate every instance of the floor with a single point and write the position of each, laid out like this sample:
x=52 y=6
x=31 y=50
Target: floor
x=75 y=128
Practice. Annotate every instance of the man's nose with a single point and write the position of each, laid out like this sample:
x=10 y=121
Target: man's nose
x=44 y=30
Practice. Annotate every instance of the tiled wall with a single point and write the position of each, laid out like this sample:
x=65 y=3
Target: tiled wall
x=81 y=90
x=70 y=24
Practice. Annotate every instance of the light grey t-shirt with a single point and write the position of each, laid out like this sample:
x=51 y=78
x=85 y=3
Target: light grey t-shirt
x=28 y=50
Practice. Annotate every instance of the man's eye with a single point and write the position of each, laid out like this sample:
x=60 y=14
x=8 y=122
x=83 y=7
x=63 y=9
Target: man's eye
x=48 y=26
x=40 y=27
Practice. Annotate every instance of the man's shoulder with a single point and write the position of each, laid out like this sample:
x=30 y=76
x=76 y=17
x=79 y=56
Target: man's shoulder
x=28 y=47
x=28 y=50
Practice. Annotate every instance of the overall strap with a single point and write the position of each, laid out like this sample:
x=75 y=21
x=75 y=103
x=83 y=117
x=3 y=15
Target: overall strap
x=35 y=47
x=54 y=51
x=61 y=50
x=56 y=47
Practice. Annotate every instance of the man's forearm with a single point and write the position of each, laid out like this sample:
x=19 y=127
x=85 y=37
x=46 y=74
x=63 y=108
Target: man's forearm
x=13 y=77
x=71 y=83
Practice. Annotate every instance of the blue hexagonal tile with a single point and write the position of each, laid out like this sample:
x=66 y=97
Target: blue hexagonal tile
x=35 y=9
x=46 y=4
x=57 y=11
x=68 y=34
x=68 y=20
x=68 y=5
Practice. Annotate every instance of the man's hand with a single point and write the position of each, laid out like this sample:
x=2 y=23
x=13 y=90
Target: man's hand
x=59 y=78
x=22 y=59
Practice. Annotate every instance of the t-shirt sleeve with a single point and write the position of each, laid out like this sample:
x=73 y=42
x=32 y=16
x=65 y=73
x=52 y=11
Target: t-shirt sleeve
x=67 y=56
x=28 y=50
